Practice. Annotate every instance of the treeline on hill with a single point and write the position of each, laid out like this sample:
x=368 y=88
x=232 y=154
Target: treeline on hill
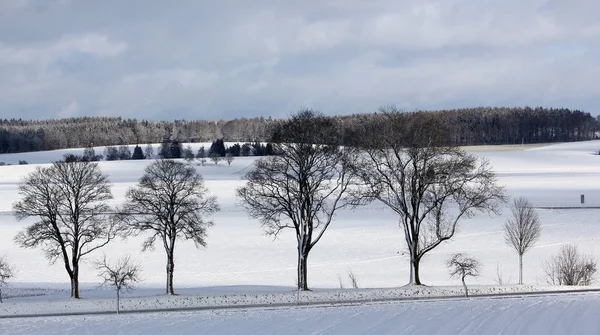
x=470 y=126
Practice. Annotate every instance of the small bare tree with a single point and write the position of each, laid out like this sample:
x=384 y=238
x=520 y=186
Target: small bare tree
x=170 y=202
x=461 y=266
x=215 y=157
x=353 y=278
x=569 y=267
x=522 y=230
x=70 y=202
x=229 y=158
x=7 y=272
x=201 y=155
x=121 y=275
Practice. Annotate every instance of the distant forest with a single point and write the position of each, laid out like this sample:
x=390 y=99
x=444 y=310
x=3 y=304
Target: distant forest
x=469 y=126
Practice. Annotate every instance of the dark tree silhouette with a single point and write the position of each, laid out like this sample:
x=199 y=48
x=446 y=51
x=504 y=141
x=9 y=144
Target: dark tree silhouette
x=302 y=188
x=138 y=153
x=70 y=202
x=170 y=203
x=406 y=166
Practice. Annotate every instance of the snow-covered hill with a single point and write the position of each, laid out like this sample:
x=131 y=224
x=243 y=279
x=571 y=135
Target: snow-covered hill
x=367 y=241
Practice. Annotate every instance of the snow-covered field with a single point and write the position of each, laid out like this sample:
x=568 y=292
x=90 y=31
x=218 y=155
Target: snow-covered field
x=240 y=259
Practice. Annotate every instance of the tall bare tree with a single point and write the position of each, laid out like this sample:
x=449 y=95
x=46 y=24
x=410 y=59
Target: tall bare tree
x=170 y=202
x=522 y=230
x=70 y=202
x=303 y=186
x=431 y=186
x=7 y=272
x=121 y=275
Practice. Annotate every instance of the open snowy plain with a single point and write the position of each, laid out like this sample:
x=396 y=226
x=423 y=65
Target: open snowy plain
x=242 y=266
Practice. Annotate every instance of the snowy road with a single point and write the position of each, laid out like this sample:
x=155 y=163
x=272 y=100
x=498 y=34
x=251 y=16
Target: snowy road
x=568 y=314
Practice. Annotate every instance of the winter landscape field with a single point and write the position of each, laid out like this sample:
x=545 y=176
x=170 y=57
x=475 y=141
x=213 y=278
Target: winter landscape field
x=242 y=266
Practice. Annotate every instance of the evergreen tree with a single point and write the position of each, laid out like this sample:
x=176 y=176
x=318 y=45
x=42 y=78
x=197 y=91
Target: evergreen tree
x=218 y=147
x=124 y=153
x=89 y=154
x=137 y=153
x=234 y=150
x=176 y=151
x=269 y=149
x=165 y=149
x=246 y=149
x=111 y=153
x=188 y=154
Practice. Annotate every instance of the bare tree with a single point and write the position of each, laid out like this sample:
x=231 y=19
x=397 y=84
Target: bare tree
x=70 y=202
x=569 y=267
x=407 y=166
x=201 y=155
x=353 y=279
x=229 y=158
x=149 y=151
x=121 y=275
x=522 y=230
x=188 y=153
x=215 y=157
x=461 y=266
x=303 y=187
x=170 y=202
x=7 y=272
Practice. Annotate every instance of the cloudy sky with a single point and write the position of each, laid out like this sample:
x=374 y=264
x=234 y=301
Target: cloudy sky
x=201 y=59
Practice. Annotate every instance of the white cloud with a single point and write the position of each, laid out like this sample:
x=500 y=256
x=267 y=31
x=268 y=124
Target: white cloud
x=90 y=44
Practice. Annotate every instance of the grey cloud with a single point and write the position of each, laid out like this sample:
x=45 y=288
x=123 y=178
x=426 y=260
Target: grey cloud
x=195 y=59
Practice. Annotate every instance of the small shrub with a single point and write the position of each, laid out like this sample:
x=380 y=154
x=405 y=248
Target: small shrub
x=570 y=268
x=22 y=162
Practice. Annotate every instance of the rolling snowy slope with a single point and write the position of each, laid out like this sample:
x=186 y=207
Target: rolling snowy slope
x=366 y=241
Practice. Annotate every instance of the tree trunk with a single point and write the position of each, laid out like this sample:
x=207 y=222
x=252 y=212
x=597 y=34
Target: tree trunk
x=520 y=269
x=302 y=271
x=465 y=286
x=414 y=272
x=75 y=282
x=118 y=298
x=170 y=269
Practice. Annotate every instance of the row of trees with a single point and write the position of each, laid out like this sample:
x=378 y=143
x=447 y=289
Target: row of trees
x=18 y=135
x=405 y=164
x=69 y=201
x=469 y=126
